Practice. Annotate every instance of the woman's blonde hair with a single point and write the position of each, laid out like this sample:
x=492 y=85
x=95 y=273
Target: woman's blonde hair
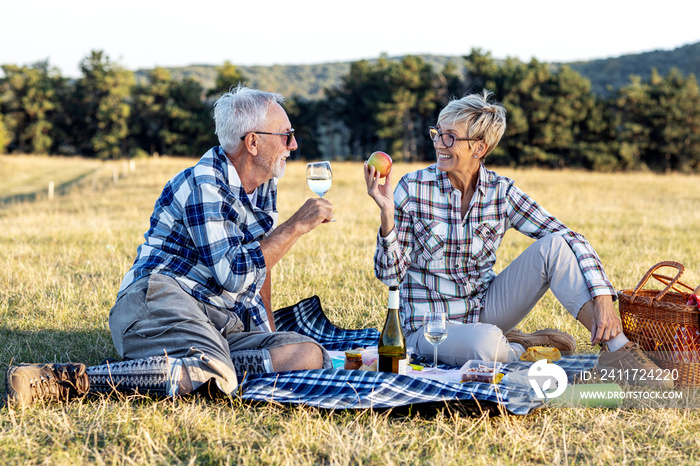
x=482 y=119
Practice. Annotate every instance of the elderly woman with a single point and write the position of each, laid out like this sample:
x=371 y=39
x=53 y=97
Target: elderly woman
x=439 y=234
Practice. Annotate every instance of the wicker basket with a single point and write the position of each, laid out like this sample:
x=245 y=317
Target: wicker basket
x=663 y=325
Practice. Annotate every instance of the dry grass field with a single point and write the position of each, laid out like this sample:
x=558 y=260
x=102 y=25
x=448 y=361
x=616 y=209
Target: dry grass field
x=61 y=262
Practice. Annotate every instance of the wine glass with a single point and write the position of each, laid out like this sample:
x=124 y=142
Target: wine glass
x=435 y=330
x=319 y=176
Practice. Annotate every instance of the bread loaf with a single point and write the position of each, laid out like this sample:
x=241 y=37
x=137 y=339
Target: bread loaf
x=535 y=353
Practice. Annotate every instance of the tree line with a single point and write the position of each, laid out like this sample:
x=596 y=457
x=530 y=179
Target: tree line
x=554 y=119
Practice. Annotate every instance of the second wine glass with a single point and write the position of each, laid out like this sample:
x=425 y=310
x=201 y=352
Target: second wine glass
x=435 y=330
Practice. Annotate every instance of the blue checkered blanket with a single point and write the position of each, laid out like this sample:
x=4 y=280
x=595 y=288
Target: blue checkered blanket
x=341 y=389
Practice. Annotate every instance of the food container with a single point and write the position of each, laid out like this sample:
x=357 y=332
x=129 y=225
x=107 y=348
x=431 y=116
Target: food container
x=476 y=370
x=370 y=355
x=353 y=360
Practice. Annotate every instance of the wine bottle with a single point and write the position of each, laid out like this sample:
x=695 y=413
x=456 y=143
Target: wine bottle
x=392 y=342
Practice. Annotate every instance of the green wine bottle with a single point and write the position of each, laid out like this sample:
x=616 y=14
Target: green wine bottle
x=392 y=342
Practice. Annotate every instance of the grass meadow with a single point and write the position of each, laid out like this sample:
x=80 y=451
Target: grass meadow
x=61 y=262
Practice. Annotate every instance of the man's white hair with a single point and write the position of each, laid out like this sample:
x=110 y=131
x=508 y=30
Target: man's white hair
x=241 y=111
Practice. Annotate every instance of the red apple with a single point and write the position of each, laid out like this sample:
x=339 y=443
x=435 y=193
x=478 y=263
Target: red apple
x=381 y=162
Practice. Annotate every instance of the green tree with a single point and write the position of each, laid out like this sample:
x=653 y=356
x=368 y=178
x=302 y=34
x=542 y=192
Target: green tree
x=192 y=118
x=169 y=116
x=454 y=83
x=547 y=111
x=660 y=122
x=227 y=76
x=307 y=120
x=482 y=71
x=415 y=90
x=387 y=105
x=595 y=146
x=101 y=107
x=4 y=136
x=28 y=99
x=356 y=103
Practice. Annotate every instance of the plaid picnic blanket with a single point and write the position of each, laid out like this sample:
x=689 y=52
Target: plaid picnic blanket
x=341 y=389
x=307 y=318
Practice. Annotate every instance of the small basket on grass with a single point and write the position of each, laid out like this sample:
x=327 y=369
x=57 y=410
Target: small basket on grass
x=664 y=325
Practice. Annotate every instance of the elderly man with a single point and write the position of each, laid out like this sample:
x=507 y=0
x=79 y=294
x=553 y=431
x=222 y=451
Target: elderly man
x=203 y=273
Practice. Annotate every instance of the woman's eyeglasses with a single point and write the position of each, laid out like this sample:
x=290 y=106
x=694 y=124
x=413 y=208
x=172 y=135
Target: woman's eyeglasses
x=448 y=140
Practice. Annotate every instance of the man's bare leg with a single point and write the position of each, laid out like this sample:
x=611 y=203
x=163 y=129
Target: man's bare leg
x=299 y=356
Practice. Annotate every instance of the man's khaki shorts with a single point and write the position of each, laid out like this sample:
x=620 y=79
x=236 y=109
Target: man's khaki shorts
x=155 y=315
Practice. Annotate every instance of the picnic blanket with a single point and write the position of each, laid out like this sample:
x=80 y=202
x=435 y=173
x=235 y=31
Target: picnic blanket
x=342 y=389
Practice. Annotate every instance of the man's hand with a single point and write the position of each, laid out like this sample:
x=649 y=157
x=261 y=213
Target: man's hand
x=314 y=212
x=605 y=324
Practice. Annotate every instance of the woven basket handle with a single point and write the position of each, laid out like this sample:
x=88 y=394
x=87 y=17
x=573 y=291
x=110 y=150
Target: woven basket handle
x=649 y=273
x=666 y=280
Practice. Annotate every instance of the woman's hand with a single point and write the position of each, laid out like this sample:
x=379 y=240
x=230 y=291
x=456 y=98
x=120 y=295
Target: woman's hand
x=605 y=324
x=383 y=195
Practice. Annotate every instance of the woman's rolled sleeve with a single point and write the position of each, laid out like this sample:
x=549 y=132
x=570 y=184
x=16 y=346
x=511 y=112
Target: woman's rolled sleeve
x=529 y=218
x=590 y=264
x=393 y=254
x=387 y=259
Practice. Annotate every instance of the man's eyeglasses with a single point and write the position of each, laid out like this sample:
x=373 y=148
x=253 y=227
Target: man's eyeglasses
x=447 y=139
x=290 y=136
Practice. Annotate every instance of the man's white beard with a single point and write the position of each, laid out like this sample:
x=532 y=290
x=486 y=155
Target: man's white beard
x=278 y=171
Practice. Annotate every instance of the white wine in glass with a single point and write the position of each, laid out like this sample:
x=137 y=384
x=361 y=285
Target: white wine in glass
x=435 y=330
x=319 y=176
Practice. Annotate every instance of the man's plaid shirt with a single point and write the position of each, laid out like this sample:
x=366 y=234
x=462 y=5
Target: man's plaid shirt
x=444 y=260
x=204 y=233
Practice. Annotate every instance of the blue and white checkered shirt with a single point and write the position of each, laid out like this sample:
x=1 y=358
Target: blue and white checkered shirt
x=204 y=233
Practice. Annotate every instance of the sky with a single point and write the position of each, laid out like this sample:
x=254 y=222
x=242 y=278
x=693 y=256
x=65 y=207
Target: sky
x=148 y=33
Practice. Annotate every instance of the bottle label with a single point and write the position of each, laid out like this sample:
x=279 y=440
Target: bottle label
x=395 y=364
x=403 y=366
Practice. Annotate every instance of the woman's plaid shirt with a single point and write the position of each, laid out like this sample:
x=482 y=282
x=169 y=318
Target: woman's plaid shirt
x=444 y=260
x=204 y=233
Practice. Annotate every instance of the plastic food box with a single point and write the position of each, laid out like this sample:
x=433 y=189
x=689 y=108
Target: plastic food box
x=370 y=355
x=476 y=370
